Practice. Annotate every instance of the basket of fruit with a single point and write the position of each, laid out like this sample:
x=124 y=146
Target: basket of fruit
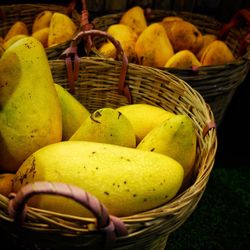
x=53 y=25
x=103 y=154
x=210 y=56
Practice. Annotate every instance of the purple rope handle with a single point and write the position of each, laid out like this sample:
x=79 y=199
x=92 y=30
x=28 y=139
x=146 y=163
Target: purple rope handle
x=110 y=225
x=71 y=52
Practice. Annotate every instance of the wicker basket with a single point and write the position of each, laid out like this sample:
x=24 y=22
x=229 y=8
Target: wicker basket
x=27 y=13
x=96 y=83
x=217 y=84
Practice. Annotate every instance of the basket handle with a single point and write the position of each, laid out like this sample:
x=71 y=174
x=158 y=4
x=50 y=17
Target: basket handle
x=110 y=225
x=70 y=52
x=240 y=15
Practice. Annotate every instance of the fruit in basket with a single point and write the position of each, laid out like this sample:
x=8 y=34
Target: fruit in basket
x=183 y=59
x=73 y=112
x=207 y=39
x=106 y=125
x=17 y=28
x=42 y=20
x=30 y=113
x=127 y=38
x=61 y=29
x=6 y=182
x=175 y=138
x=42 y=36
x=153 y=47
x=144 y=117
x=126 y=180
x=135 y=19
x=172 y=18
x=184 y=35
x=13 y=40
x=217 y=53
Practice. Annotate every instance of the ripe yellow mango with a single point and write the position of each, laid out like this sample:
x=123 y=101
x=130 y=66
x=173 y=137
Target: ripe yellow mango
x=183 y=35
x=30 y=112
x=42 y=20
x=127 y=38
x=217 y=53
x=12 y=40
x=144 y=117
x=18 y=28
x=153 y=47
x=126 y=180
x=106 y=125
x=42 y=36
x=135 y=19
x=176 y=138
x=207 y=39
x=6 y=182
x=183 y=59
x=61 y=29
x=73 y=112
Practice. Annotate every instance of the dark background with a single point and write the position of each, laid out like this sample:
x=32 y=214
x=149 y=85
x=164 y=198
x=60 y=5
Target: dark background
x=221 y=219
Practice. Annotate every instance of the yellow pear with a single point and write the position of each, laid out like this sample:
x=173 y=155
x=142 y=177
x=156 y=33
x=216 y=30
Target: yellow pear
x=61 y=29
x=144 y=117
x=207 y=39
x=127 y=38
x=135 y=19
x=176 y=138
x=153 y=47
x=73 y=112
x=217 y=53
x=183 y=59
x=106 y=125
x=184 y=35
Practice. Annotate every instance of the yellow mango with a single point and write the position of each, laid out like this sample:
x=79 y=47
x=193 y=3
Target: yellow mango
x=42 y=20
x=135 y=19
x=106 y=125
x=126 y=180
x=217 y=53
x=153 y=47
x=18 y=28
x=30 y=112
x=144 y=117
x=207 y=39
x=183 y=59
x=42 y=36
x=61 y=29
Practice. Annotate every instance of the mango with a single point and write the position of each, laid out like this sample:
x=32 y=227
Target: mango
x=127 y=38
x=42 y=36
x=217 y=53
x=61 y=29
x=176 y=138
x=42 y=20
x=6 y=182
x=18 y=28
x=125 y=180
x=106 y=125
x=144 y=117
x=30 y=112
x=183 y=59
x=135 y=19
x=73 y=112
x=153 y=47
x=12 y=40
x=184 y=35
x=207 y=39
